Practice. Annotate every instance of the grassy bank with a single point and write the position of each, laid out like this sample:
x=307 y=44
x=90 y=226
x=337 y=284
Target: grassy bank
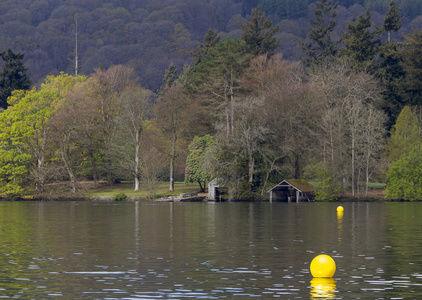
x=161 y=190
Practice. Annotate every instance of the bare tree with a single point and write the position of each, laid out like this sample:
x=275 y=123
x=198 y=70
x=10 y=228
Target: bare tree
x=135 y=104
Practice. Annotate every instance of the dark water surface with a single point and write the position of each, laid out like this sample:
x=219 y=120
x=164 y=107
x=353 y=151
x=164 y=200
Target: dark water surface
x=137 y=250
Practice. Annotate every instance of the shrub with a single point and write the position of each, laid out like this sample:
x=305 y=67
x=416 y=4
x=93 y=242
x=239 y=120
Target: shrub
x=120 y=197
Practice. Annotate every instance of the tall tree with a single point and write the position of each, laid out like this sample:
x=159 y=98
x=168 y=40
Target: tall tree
x=403 y=177
x=361 y=44
x=259 y=34
x=217 y=79
x=389 y=69
x=392 y=20
x=135 y=103
x=211 y=39
x=173 y=114
x=404 y=135
x=195 y=170
x=170 y=76
x=412 y=63
x=321 y=47
x=13 y=76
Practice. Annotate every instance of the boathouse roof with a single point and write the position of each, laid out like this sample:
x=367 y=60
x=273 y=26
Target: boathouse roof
x=298 y=184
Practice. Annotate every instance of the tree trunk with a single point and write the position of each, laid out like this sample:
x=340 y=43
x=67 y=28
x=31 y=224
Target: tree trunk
x=172 y=158
x=137 y=175
x=65 y=157
x=353 y=164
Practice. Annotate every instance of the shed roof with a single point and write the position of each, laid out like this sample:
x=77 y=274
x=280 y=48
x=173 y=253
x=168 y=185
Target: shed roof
x=299 y=184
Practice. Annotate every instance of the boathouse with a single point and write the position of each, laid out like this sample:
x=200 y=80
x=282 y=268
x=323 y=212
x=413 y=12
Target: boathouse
x=217 y=191
x=292 y=190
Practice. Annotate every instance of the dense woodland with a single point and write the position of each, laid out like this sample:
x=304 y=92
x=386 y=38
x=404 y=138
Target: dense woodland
x=342 y=109
x=148 y=35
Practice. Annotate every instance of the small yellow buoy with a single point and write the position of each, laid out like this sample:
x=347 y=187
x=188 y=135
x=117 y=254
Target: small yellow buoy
x=323 y=266
x=340 y=209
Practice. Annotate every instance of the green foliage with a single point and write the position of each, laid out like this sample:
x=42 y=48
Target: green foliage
x=404 y=135
x=412 y=63
x=13 y=76
x=120 y=197
x=195 y=170
x=259 y=34
x=361 y=45
x=390 y=70
x=404 y=177
x=392 y=20
x=326 y=188
x=321 y=47
x=285 y=9
x=211 y=38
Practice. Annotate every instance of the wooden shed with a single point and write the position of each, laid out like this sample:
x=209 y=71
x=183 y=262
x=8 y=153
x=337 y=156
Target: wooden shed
x=292 y=190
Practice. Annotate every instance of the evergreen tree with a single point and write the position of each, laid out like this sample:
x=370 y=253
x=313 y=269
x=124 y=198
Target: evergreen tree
x=13 y=77
x=211 y=38
x=404 y=135
x=361 y=45
x=390 y=71
x=321 y=47
x=170 y=76
x=412 y=64
x=392 y=20
x=259 y=34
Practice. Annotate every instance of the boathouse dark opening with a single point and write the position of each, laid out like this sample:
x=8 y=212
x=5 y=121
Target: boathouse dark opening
x=292 y=190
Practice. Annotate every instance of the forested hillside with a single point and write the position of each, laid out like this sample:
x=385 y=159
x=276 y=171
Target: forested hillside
x=197 y=90
x=148 y=35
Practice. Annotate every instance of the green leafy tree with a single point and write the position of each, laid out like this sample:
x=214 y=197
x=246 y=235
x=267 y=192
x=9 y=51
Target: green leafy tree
x=326 y=189
x=195 y=170
x=25 y=134
x=392 y=20
x=361 y=45
x=259 y=34
x=404 y=135
x=321 y=47
x=13 y=76
x=404 y=180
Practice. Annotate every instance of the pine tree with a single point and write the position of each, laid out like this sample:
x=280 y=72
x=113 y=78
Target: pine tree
x=259 y=34
x=170 y=76
x=404 y=135
x=412 y=63
x=13 y=77
x=211 y=38
x=392 y=20
x=389 y=69
x=321 y=47
x=361 y=45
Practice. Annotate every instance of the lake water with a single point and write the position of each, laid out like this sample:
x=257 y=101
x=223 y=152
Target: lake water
x=145 y=250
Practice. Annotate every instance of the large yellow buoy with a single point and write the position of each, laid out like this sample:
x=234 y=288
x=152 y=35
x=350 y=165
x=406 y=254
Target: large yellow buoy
x=340 y=209
x=323 y=266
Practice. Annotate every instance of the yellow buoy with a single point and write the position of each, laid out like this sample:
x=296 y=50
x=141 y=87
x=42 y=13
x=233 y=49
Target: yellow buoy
x=323 y=266
x=340 y=209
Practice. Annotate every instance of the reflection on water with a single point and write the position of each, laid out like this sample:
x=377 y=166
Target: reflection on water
x=136 y=250
x=323 y=288
x=339 y=225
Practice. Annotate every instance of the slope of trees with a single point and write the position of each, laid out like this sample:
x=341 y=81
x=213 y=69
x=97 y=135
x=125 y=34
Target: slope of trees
x=149 y=35
x=269 y=117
